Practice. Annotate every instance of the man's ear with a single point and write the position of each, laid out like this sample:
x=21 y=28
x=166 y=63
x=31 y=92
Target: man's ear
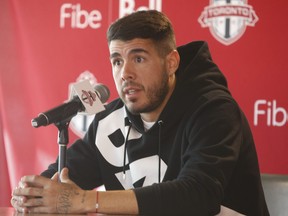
x=173 y=60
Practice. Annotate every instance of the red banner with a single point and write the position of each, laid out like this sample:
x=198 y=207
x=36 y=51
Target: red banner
x=45 y=46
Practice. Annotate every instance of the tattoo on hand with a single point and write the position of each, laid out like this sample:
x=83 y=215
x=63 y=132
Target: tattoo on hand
x=64 y=201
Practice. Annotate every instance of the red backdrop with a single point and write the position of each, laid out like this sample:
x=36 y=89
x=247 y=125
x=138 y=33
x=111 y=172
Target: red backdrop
x=46 y=45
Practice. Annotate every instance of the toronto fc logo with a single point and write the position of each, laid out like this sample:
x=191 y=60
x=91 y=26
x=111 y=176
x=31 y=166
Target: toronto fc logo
x=227 y=19
x=79 y=124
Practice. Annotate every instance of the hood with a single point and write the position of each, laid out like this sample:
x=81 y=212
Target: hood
x=197 y=75
x=197 y=71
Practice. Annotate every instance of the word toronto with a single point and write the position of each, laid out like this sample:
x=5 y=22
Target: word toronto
x=229 y=10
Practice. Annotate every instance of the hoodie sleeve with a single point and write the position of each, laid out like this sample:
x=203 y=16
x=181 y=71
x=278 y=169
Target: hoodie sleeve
x=210 y=150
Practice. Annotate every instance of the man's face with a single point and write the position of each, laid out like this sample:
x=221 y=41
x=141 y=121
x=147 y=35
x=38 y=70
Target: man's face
x=140 y=74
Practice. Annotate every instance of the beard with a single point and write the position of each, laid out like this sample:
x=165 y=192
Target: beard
x=155 y=95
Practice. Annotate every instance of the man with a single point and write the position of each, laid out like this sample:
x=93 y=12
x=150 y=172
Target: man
x=175 y=142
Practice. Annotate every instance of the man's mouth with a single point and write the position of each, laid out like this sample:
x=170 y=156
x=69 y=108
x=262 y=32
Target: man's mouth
x=131 y=91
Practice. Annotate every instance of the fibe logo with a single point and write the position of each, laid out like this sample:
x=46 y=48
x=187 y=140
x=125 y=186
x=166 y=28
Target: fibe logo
x=270 y=112
x=129 y=6
x=79 y=18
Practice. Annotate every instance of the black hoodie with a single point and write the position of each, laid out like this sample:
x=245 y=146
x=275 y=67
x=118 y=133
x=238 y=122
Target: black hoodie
x=201 y=148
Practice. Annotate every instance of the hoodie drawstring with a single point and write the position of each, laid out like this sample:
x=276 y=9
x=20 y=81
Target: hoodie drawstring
x=125 y=149
x=160 y=122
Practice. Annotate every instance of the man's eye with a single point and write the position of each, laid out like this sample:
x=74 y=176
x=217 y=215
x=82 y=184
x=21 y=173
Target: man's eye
x=139 y=59
x=116 y=62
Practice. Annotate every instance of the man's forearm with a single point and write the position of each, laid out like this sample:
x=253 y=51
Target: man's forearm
x=117 y=202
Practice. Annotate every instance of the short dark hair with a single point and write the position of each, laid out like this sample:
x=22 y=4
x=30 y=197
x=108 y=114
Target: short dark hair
x=150 y=24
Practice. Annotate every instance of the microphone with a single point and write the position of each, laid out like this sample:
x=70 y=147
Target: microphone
x=69 y=109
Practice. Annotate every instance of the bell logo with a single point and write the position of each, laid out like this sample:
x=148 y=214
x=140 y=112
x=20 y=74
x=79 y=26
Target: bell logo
x=128 y=6
x=78 y=18
x=270 y=112
x=227 y=19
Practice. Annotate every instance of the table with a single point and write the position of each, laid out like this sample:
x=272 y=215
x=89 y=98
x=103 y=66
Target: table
x=9 y=211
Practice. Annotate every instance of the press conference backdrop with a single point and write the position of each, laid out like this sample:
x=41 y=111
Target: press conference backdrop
x=46 y=45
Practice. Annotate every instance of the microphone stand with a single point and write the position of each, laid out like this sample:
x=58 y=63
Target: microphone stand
x=63 y=140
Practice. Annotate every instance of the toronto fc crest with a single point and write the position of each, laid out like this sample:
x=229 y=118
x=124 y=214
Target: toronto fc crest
x=79 y=124
x=227 y=19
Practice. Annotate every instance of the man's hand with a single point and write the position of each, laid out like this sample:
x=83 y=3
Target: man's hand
x=43 y=195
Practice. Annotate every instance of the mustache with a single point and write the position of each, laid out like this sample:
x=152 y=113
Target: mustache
x=132 y=84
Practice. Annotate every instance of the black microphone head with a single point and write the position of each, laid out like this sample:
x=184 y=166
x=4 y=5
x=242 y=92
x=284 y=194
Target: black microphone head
x=102 y=91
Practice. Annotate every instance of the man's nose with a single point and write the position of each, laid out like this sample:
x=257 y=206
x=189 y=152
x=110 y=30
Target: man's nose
x=127 y=72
